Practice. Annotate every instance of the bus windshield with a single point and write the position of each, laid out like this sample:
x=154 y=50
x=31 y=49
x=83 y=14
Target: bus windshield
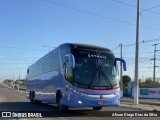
x=96 y=73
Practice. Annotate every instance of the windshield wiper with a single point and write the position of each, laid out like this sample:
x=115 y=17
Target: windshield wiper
x=93 y=78
x=101 y=75
x=105 y=76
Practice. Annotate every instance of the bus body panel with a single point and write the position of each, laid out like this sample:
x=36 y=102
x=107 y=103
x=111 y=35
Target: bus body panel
x=47 y=84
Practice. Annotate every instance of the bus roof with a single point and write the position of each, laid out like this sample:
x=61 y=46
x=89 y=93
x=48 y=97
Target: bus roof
x=78 y=45
x=87 y=46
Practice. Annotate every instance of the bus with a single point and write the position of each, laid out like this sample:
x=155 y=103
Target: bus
x=75 y=75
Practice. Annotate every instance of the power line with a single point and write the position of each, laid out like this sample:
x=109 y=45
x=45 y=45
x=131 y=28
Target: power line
x=134 y=52
x=151 y=8
x=12 y=68
x=84 y=11
x=14 y=59
x=139 y=58
x=22 y=48
x=115 y=48
x=14 y=56
x=14 y=63
x=95 y=14
x=132 y=44
x=125 y=3
x=13 y=40
x=49 y=47
x=146 y=41
x=142 y=9
x=149 y=28
x=143 y=41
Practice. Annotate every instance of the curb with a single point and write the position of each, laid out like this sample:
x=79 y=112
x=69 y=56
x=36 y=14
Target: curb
x=139 y=108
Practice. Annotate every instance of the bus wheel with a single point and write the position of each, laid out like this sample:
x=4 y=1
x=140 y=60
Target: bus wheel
x=61 y=107
x=30 y=93
x=97 y=108
x=32 y=97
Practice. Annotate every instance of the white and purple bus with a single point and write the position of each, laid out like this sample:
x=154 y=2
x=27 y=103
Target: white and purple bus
x=75 y=75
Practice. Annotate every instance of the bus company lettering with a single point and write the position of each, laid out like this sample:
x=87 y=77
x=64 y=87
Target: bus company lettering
x=96 y=56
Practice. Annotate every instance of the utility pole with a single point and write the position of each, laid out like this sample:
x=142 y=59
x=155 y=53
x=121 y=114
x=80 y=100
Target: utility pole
x=154 y=67
x=136 y=82
x=27 y=64
x=49 y=47
x=19 y=77
x=121 y=74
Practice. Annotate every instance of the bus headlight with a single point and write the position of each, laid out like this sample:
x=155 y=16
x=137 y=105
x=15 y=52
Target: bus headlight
x=80 y=93
x=80 y=102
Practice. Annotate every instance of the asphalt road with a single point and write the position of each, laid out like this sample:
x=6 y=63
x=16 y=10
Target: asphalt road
x=11 y=100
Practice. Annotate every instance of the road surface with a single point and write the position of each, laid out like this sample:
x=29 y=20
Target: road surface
x=11 y=100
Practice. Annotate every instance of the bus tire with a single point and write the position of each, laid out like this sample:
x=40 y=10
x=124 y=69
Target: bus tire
x=30 y=94
x=32 y=97
x=97 y=108
x=61 y=107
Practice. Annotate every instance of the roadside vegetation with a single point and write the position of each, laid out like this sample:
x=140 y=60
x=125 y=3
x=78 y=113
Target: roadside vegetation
x=15 y=84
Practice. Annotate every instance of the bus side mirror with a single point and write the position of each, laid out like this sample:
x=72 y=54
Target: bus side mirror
x=123 y=62
x=69 y=65
x=70 y=59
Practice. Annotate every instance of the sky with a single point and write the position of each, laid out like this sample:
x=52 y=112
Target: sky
x=28 y=28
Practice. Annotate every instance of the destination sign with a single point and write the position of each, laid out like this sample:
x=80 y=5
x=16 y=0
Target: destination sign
x=84 y=53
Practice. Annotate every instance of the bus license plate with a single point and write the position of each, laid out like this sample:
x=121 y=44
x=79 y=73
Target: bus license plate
x=101 y=103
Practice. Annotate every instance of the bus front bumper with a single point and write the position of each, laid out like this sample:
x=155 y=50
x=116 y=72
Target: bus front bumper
x=92 y=101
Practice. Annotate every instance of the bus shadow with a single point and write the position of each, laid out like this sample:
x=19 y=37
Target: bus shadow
x=47 y=110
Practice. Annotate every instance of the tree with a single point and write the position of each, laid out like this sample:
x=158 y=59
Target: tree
x=149 y=83
x=126 y=79
x=149 y=80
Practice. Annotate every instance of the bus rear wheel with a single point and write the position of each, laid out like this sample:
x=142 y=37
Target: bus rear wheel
x=32 y=98
x=61 y=107
x=97 y=108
